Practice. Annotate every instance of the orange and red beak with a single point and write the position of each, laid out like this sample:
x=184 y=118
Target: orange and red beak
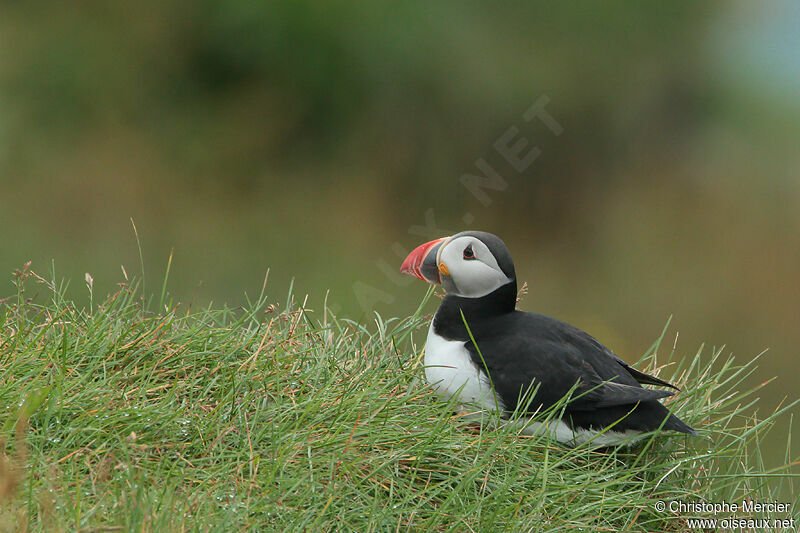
x=421 y=263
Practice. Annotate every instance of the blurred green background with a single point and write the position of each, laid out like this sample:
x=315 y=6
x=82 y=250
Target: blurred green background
x=314 y=139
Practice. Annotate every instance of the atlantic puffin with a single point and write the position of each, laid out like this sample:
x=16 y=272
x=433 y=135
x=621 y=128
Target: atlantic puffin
x=520 y=354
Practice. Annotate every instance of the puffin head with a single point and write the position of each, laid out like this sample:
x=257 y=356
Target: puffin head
x=470 y=264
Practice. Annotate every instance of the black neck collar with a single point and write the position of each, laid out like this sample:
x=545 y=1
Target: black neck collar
x=448 y=322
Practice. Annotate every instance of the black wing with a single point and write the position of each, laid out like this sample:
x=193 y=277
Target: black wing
x=525 y=350
x=640 y=377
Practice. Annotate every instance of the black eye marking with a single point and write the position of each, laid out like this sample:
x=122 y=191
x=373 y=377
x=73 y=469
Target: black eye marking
x=468 y=253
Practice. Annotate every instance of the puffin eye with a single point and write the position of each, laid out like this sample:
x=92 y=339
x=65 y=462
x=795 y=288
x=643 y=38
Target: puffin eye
x=468 y=253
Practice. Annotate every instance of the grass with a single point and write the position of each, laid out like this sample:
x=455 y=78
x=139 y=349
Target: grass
x=134 y=415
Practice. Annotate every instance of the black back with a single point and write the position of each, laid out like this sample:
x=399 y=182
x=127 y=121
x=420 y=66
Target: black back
x=521 y=351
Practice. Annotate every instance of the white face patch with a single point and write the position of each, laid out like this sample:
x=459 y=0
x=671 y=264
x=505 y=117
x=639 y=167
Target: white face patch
x=473 y=274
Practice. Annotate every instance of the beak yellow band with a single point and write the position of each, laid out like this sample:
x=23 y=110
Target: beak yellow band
x=443 y=269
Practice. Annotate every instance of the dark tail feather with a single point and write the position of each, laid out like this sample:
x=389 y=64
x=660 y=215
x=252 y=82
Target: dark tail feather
x=647 y=379
x=676 y=424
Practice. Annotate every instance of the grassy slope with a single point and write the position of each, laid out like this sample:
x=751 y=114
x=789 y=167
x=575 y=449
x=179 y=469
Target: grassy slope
x=279 y=418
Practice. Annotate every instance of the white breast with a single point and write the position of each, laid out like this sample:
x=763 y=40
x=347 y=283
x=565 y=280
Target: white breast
x=450 y=370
